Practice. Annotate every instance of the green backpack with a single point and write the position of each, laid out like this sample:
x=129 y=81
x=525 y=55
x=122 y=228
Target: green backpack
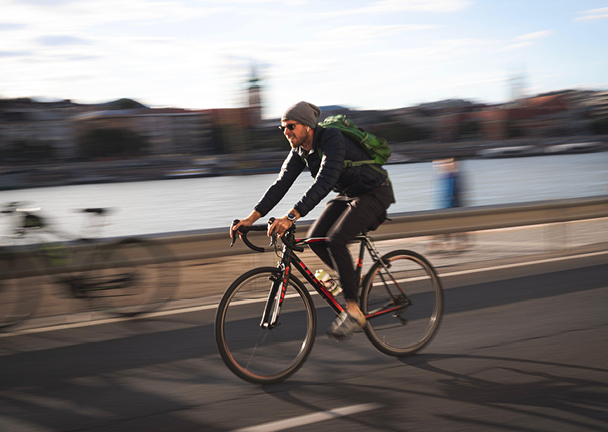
x=377 y=148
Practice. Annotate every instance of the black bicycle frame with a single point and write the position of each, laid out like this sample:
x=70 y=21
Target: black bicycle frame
x=289 y=258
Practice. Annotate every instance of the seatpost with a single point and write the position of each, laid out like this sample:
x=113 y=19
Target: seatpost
x=359 y=263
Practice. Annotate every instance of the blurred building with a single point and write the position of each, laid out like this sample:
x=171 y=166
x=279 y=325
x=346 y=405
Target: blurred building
x=25 y=124
x=56 y=130
x=229 y=127
x=167 y=130
x=536 y=117
x=597 y=104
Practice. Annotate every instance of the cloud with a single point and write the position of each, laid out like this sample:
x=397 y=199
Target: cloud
x=417 y=6
x=592 y=14
x=14 y=53
x=368 y=32
x=516 y=46
x=471 y=80
x=70 y=78
x=61 y=40
x=527 y=40
x=11 y=26
x=256 y=2
x=47 y=3
x=395 y=6
x=535 y=35
x=84 y=14
x=85 y=58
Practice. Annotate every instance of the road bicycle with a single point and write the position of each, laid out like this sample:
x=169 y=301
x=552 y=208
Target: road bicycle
x=266 y=323
x=126 y=277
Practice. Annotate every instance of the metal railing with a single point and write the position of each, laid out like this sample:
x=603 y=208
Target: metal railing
x=202 y=244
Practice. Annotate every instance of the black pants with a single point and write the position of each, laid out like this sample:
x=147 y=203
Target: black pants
x=342 y=220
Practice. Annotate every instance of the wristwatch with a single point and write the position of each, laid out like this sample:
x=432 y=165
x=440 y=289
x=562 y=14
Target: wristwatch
x=291 y=217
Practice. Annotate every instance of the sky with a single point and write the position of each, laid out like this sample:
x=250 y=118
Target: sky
x=199 y=54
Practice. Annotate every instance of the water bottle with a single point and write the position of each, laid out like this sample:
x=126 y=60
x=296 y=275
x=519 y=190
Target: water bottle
x=329 y=283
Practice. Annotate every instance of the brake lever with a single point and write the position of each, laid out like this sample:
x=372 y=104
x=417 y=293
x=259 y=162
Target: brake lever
x=273 y=236
x=234 y=235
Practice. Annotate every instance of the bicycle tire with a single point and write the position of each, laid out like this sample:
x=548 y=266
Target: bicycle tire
x=413 y=326
x=259 y=355
x=130 y=277
x=19 y=289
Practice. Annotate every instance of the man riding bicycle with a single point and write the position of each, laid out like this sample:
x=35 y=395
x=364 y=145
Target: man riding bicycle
x=364 y=195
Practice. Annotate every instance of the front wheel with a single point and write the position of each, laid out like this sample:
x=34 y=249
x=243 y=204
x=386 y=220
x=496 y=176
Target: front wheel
x=258 y=353
x=404 y=301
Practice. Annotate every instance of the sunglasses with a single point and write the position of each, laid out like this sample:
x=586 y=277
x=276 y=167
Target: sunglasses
x=291 y=126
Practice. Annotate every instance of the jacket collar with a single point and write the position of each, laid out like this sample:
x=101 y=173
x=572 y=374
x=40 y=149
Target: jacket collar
x=315 y=143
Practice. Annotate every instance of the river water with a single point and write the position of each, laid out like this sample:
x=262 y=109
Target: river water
x=202 y=203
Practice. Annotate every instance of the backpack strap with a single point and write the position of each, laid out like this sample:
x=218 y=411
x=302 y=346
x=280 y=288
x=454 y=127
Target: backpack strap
x=349 y=163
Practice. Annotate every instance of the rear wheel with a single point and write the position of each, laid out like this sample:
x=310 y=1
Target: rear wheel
x=257 y=354
x=411 y=290
x=128 y=278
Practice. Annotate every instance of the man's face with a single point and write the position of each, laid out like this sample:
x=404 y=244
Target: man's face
x=295 y=132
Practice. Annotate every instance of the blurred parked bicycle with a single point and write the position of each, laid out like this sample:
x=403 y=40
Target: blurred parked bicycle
x=127 y=277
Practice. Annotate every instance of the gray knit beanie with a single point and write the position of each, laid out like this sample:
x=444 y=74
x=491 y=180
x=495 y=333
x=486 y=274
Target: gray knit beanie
x=303 y=112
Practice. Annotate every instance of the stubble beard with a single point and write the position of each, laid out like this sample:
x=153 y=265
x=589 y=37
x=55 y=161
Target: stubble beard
x=295 y=142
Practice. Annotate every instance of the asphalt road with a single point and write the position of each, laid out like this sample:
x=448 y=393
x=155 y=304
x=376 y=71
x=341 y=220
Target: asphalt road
x=521 y=348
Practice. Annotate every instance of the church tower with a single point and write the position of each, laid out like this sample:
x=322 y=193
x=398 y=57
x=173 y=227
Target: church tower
x=517 y=86
x=255 y=99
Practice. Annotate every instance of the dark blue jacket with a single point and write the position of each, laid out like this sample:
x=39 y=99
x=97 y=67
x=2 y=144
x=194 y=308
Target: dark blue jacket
x=328 y=172
x=451 y=190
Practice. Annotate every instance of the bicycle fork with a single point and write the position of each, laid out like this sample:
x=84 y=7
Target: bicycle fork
x=270 y=317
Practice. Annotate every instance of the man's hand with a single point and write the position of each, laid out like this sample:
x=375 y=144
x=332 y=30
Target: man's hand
x=247 y=222
x=282 y=224
x=279 y=226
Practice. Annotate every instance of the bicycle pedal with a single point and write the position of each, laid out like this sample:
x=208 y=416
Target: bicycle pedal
x=404 y=321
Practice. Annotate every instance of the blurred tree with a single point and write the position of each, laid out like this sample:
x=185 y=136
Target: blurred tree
x=112 y=142
x=469 y=130
x=10 y=102
x=268 y=138
x=513 y=131
x=398 y=132
x=216 y=140
x=28 y=151
x=600 y=126
x=123 y=104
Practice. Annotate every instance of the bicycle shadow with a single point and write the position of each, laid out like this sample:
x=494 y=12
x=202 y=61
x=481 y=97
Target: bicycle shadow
x=497 y=396
x=541 y=389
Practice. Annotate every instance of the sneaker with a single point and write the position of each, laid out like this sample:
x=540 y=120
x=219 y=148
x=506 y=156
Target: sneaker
x=345 y=325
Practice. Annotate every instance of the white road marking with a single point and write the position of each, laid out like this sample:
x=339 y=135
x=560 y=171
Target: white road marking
x=523 y=264
x=310 y=418
x=106 y=321
x=214 y=306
